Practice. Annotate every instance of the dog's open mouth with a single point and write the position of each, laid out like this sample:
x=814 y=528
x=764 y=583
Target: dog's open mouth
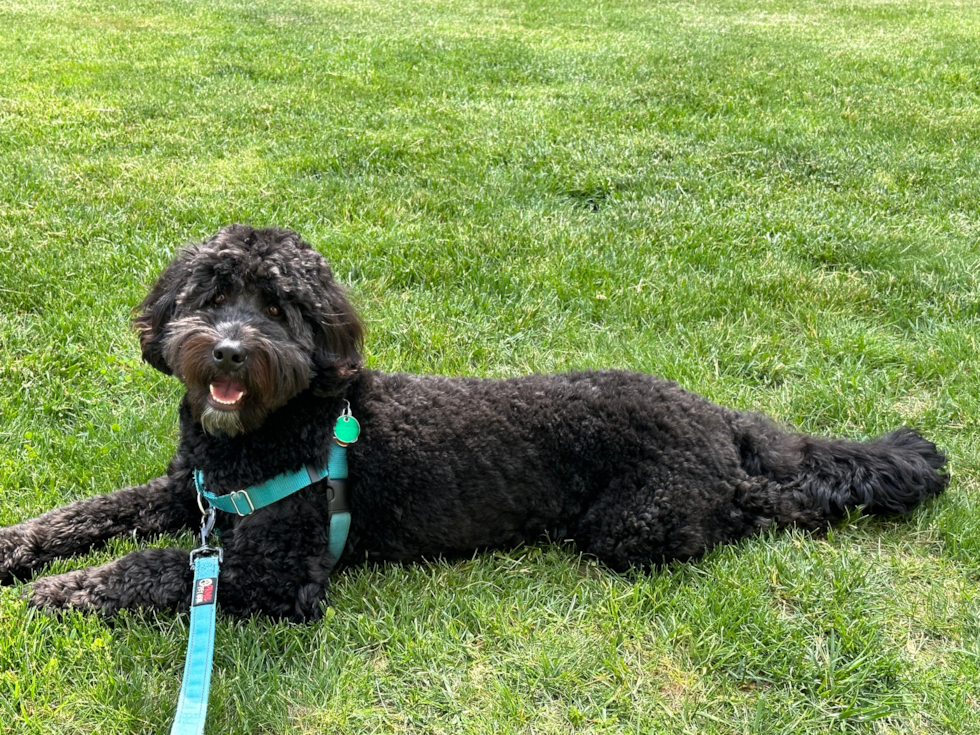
x=227 y=394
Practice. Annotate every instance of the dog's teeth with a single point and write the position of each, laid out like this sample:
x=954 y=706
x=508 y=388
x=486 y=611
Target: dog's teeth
x=223 y=402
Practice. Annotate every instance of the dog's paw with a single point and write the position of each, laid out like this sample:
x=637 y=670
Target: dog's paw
x=17 y=559
x=78 y=590
x=309 y=603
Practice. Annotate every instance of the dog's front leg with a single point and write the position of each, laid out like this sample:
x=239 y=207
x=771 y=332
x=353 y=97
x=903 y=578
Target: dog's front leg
x=163 y=505
x=151 y=579
x=160 y=579
x=276 y=563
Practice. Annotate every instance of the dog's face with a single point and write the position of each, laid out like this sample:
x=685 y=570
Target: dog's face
x=248 y=320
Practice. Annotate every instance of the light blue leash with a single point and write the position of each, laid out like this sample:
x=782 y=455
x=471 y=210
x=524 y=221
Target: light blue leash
x=192 y=703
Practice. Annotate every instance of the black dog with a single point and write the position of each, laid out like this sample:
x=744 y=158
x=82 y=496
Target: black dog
x=633 y=468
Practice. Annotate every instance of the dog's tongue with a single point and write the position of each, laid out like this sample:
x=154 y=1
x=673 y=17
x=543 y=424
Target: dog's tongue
x=227 y=390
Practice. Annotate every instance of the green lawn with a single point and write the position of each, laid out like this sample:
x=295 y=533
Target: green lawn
x=776 y=204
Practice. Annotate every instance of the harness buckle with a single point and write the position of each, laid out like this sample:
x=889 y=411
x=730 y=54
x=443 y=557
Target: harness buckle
x=234 y=501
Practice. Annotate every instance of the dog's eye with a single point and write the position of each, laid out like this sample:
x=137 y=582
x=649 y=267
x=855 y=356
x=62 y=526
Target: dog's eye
x=220 y=298
x=274 y=310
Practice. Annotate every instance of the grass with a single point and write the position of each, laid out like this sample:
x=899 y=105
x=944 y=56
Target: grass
x=773 y=203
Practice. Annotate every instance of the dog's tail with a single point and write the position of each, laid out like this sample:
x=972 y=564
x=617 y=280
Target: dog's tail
x=813 y=482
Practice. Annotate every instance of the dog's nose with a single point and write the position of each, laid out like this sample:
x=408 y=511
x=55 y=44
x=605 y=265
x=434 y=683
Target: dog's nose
x=229 y=355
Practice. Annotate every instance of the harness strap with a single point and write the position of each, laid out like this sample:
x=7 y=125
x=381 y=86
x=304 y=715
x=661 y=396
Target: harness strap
x=192 y=703
x=249 y=500
x=339 y=528
x=243 y=502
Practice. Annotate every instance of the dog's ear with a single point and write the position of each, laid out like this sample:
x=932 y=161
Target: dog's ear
x=338 y=335
x=151 y=316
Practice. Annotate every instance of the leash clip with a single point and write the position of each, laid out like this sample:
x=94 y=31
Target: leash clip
x=207 y=525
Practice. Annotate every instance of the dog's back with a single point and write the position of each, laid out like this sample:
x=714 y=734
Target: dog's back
x=637 y=470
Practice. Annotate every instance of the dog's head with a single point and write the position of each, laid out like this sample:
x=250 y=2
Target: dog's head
x=247 y=320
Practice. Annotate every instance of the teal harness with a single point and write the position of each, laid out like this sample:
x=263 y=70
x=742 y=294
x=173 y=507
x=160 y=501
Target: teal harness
x=192 y=703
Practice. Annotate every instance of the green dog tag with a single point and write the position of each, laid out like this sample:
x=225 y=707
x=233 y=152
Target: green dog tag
x=346 y=429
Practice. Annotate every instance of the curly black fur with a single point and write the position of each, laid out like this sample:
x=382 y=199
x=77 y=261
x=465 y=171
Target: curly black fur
x=633 y=468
